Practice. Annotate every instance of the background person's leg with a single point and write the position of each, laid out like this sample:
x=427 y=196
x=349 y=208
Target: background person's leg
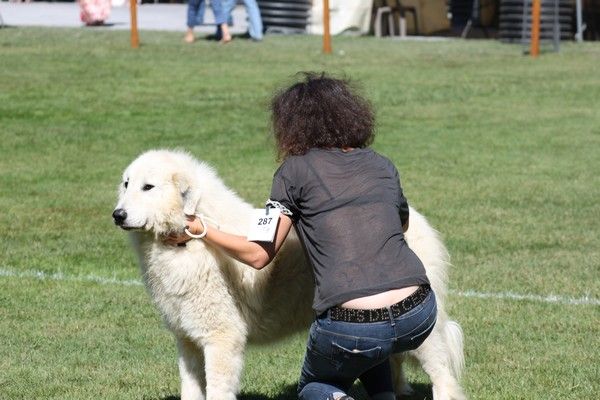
x=195 y=16
x=255 y=26
x=221 y=18
x=228 y=6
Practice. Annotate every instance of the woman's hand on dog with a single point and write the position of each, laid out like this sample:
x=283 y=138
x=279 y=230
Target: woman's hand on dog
x=193 y=225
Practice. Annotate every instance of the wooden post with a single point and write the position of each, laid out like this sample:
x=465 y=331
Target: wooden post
x=535 y=28
x=326 y=33
x=135 y=39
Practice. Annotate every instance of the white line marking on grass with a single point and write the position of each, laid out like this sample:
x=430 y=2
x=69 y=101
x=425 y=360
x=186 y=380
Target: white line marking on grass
x=59 y=276
x=585 y=300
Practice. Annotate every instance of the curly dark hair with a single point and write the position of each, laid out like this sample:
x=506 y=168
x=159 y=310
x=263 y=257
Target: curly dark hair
x=320 y=111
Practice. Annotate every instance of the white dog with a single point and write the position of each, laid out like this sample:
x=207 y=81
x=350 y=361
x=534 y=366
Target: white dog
x=214 y=304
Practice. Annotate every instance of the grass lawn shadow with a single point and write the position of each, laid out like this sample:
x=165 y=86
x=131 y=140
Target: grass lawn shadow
x=421 y=392
x=287 y=393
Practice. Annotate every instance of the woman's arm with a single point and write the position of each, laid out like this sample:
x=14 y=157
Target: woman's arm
x=255 y=254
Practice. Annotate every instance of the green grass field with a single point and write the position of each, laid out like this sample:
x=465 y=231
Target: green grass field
x=500 y=152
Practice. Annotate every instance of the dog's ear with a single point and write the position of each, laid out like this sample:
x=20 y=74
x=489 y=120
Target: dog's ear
x=189 y=194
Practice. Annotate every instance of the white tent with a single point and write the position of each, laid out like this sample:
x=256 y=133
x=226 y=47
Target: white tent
x=344 y=15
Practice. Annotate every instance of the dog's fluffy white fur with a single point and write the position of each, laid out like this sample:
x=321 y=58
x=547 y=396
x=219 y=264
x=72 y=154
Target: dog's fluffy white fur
x=214 y=304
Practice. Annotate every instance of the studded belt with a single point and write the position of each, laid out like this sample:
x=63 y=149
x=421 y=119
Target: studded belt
x=380 y=314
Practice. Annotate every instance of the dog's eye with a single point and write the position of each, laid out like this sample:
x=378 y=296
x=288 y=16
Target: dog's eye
x=147 y=187
x=125 y=184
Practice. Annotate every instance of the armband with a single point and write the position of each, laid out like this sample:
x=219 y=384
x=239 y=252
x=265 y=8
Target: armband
x=275 y=204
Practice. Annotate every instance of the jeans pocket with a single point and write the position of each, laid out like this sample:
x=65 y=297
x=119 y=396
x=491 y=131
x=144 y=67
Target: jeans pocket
x=353 y=361
x=340 y=352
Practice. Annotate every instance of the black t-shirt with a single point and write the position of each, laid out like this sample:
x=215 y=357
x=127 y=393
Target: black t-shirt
x=348 y=209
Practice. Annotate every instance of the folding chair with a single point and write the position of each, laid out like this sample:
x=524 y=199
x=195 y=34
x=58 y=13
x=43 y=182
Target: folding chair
x=389 y=10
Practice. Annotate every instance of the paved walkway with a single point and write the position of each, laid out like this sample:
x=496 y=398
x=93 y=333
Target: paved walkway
x=163 y=17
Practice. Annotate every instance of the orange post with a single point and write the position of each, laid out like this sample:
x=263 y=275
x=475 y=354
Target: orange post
x=326 y=33
x=135 y=38
x=535 y=28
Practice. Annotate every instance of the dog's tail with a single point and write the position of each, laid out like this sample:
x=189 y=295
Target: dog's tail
x=454 y=338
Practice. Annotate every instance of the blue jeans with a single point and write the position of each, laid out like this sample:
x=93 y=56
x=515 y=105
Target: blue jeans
x=195 y=11
x=255 y=26
x=338 y=353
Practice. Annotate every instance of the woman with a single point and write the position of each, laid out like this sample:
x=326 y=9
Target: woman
x=372 y=297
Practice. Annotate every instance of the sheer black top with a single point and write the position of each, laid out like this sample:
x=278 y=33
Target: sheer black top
x=348 y=209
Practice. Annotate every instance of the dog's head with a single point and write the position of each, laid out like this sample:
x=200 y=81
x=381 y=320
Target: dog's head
x=156 y=192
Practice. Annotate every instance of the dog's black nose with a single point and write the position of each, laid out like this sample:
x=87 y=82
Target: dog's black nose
x=119 y=215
